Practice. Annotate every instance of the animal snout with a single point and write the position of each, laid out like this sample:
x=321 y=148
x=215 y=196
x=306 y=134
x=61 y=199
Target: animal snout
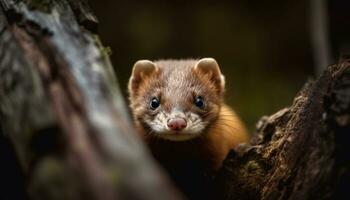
x=177 y=124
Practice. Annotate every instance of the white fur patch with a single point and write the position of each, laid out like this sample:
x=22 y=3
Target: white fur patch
x=194 y=128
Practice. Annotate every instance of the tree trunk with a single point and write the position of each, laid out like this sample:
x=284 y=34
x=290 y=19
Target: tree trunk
x=301 y=152
x=62 y=110
x=63 y=114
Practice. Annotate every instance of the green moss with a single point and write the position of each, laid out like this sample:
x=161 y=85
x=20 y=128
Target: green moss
x=49 y=178
x=254 y=171
x=114 y=176
x=253 y=167
x=52 y=179
x=41 y=5
x=106 y=50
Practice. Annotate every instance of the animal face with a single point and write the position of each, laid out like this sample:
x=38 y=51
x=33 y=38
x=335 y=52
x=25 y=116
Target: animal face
x=176 y=100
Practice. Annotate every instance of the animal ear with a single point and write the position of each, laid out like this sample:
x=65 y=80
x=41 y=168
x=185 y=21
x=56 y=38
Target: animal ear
x=141 y=70
x=210 y=68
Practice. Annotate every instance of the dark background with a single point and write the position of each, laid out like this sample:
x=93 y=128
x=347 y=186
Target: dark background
x=264 y=47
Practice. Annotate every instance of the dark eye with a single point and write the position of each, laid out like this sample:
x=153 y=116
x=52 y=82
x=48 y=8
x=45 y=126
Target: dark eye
x=199 y=102
x=155 y=103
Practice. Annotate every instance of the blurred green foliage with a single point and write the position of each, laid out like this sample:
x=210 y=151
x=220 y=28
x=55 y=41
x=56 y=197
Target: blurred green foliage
x=263 y=47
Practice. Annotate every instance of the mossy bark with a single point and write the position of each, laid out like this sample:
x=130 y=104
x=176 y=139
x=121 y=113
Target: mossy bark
x=301 y=152
x=62 y=110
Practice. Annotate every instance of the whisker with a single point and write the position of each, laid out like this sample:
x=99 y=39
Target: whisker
x=228 y=125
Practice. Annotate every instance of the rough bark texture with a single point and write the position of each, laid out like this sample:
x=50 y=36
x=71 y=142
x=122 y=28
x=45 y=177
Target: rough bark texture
x=62 y=111
x=63 y=118
x=301 y=152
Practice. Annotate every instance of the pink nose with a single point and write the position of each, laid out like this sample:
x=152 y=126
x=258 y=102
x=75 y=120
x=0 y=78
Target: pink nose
x=177 y=124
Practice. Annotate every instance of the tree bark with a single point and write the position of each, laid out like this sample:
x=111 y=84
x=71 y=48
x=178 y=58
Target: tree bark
x=301 y=152
x=62 y=110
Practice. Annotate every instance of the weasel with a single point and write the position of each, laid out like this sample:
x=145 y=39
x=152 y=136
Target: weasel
x=178 y=109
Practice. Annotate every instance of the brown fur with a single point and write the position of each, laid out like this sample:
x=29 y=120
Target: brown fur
x=175 y=82
x=226 y=132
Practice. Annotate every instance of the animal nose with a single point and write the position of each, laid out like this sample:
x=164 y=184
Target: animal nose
x=177 y=124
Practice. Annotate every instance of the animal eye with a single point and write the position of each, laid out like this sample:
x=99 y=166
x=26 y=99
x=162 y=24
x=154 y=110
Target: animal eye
x=199 y=102
x=155 y=103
